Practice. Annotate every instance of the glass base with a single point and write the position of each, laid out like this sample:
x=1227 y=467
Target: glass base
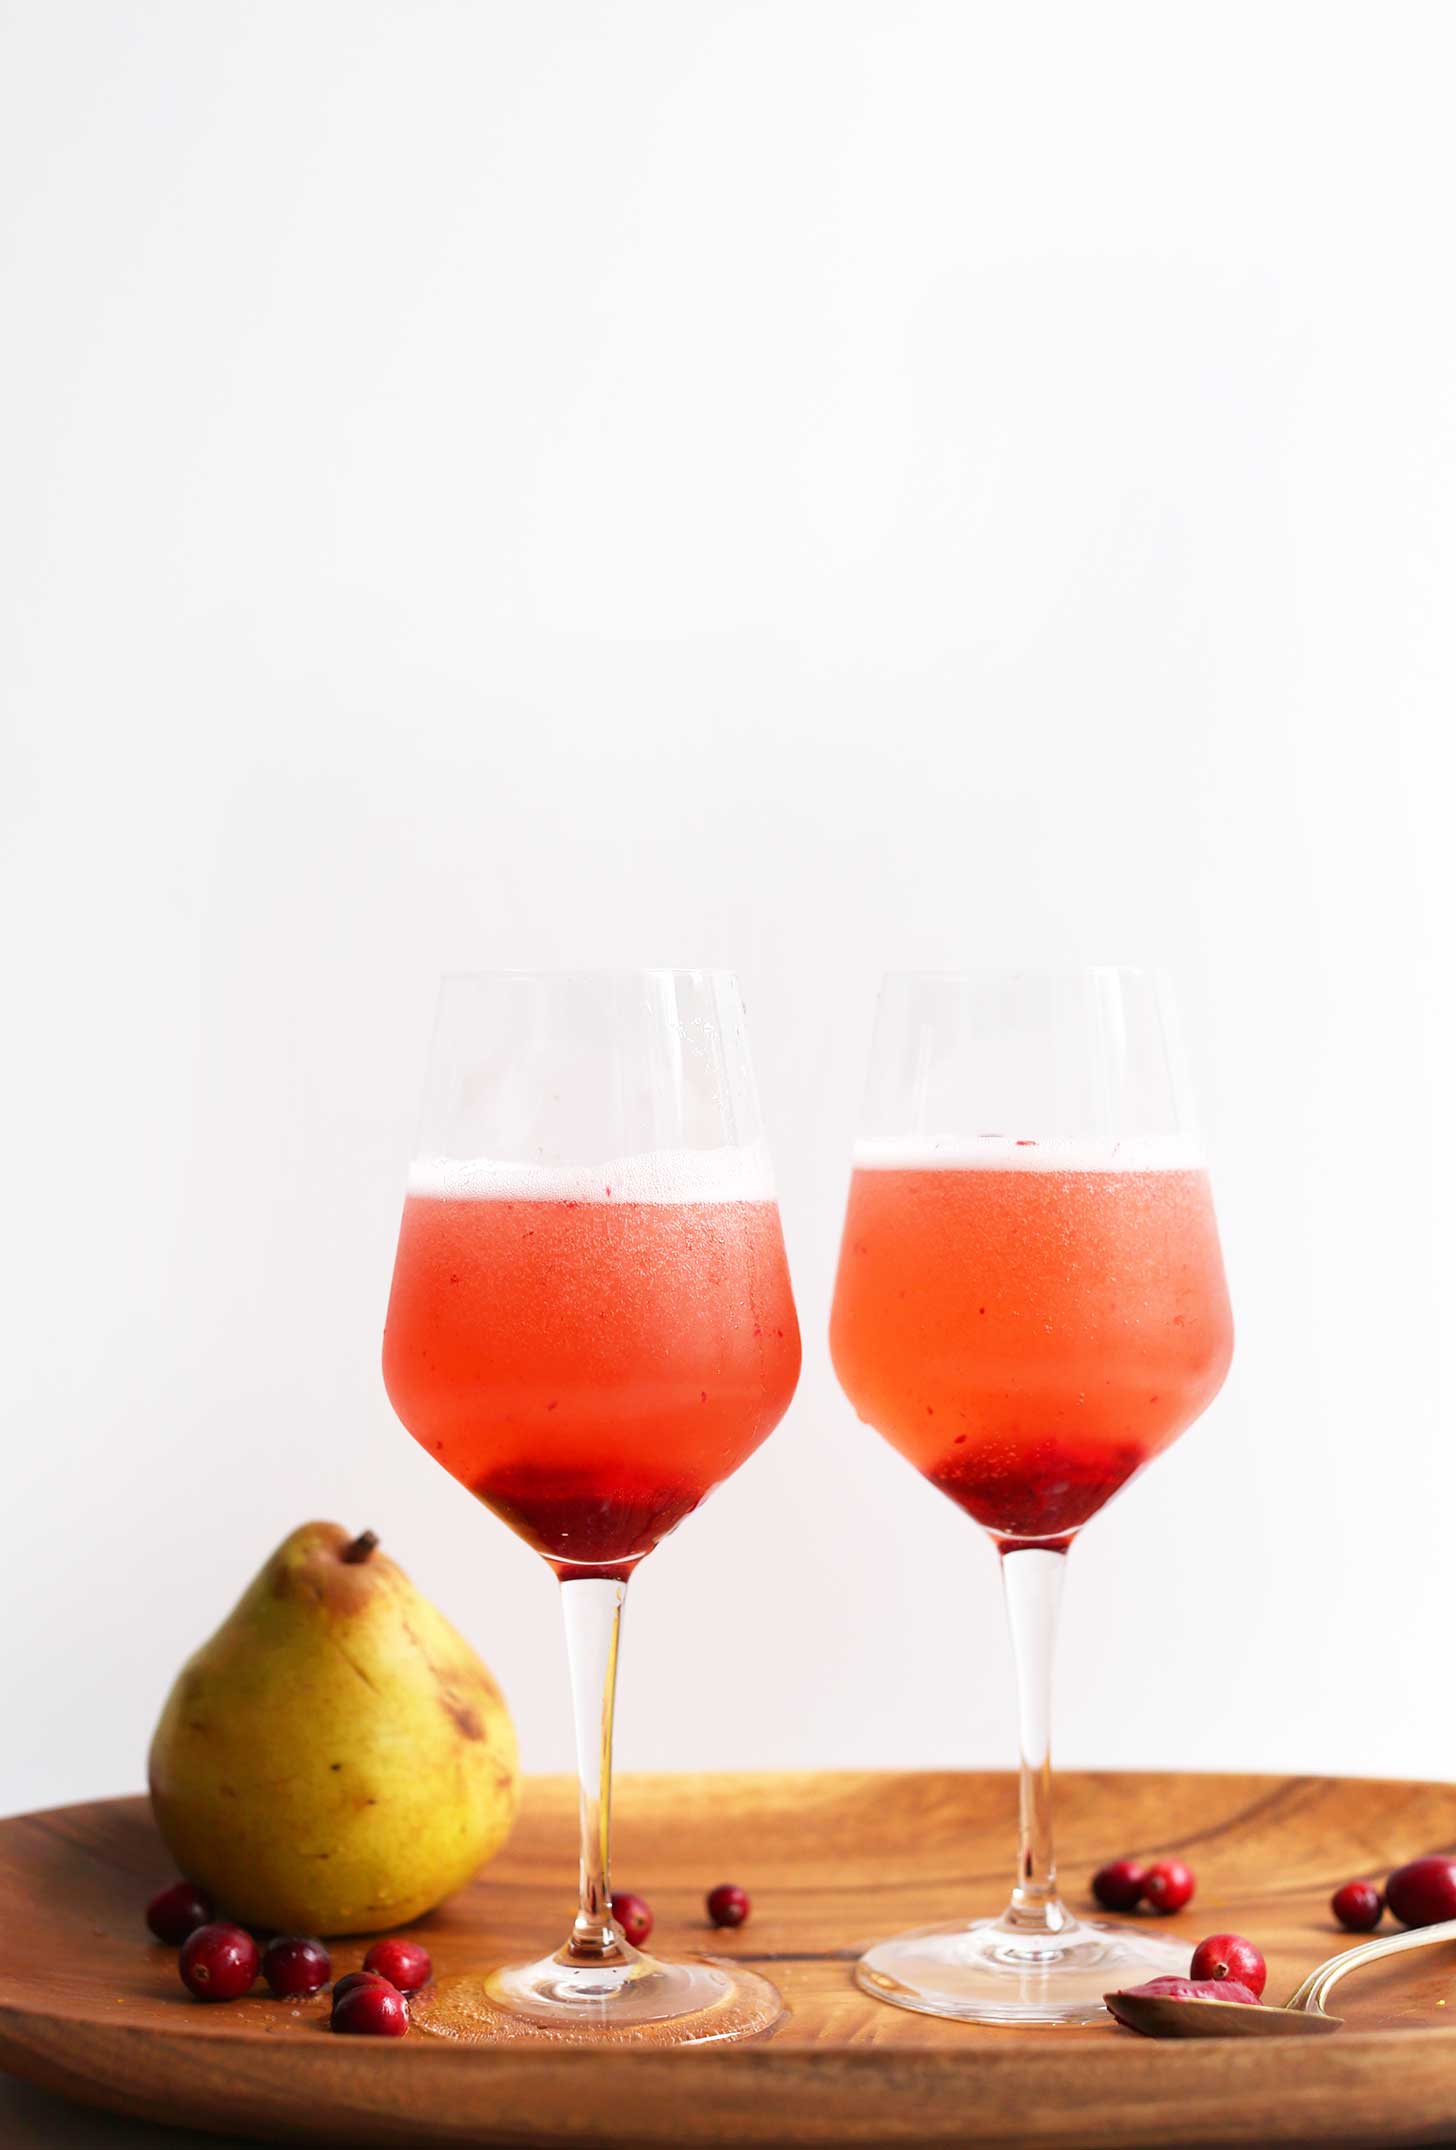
x=634 y=2000
x=992 y=1971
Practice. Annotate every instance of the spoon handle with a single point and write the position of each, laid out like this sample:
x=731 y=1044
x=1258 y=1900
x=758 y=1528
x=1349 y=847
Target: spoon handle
x=1313 y=1994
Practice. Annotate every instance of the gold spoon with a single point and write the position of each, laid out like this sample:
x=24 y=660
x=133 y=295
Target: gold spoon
x=1304 y=2012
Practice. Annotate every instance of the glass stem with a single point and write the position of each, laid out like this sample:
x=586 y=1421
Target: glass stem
x=592 y=1610
x=1033 y=1583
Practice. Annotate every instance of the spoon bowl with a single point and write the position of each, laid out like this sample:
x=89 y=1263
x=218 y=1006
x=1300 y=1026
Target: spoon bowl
x=1157 y=2015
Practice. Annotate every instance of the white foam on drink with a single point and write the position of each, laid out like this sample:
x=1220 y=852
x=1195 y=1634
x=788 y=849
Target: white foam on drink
x=1013 y=1153
x=738 y=1174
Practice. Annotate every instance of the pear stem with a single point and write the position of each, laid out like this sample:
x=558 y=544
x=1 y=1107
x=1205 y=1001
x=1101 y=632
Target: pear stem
x=361 y=1548
x=592 y=1609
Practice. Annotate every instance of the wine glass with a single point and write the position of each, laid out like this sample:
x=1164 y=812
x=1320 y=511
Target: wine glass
x=591 y=1326
x=1030 y=1305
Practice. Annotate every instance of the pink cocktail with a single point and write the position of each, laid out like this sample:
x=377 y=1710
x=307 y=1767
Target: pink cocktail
x=588 y=1362
x=1027 y=1327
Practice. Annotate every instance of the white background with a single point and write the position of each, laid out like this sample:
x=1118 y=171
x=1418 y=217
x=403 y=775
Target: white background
x=798 y=487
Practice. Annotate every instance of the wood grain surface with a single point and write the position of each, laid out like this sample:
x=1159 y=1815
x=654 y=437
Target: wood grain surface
x=92 y=2008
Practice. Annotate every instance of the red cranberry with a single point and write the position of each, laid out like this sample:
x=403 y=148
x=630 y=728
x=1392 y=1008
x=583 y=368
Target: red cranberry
x=1230 y=1958
x=728 y=1905
x=1118 y=1886
x=1423 y=1892
x=634 y=1915
x=293 y=1964
x=176 y=1912
x=1358 y=1906
x=218 y=1962
x=372 y=2010
x=404 y=1964
x=1168 y=1885
x=356 y=1978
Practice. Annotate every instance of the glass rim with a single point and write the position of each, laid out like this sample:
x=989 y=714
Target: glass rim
x=573 y=973
x=977 y=973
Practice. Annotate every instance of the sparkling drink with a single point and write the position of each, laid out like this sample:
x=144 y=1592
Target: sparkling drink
x=590 y=1326
x=592 y=1352
x=1028 y=1317
x=1029 y=1323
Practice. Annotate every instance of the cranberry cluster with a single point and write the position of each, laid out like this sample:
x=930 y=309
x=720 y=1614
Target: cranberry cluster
x=1421 y=1893
x=373 y=2003
x=1167 y=1885
x=221 y=1962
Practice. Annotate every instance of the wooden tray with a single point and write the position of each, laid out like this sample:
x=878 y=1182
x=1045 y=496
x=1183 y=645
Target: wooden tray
x=90 y=2007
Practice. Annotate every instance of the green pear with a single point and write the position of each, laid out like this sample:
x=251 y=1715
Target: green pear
x=336 y=1759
